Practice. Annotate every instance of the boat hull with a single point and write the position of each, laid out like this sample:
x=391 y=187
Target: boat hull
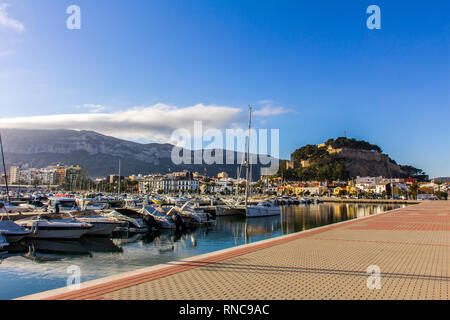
x=253 y=212
x=103 y=229
x=229 y=211
x=15 y=237
x=59 y=234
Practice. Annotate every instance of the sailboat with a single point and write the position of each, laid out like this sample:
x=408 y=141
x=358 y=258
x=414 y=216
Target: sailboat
x=233 y=206
x=264 y=208
x=9 y=230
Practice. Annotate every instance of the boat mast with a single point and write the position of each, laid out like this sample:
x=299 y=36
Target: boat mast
x=4 y=169
x=118 y=187
x=248 y=155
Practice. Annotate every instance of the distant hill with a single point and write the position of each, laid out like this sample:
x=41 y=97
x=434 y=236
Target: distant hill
x=342 y=159
x=98 y=153
x=442 y=179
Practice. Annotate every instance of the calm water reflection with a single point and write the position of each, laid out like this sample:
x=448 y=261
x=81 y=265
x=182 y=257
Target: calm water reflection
x=34 y=266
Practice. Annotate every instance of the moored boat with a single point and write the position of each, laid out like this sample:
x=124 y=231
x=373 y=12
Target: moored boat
x=101 y=226
x=191 y=216
x=133 y=220
x=164 y=221
x=263 y=209
x=12 y=231
x=47 y=228
x=62 y=204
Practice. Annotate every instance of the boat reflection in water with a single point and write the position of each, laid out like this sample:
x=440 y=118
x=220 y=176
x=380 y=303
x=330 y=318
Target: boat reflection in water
x=295 y=219
x=39 y=250
x=162 y=241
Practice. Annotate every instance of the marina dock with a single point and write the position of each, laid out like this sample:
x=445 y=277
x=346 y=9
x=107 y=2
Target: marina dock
x=409 y=246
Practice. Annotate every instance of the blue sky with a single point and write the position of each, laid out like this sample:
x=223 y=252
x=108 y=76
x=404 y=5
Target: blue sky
x=310 y=68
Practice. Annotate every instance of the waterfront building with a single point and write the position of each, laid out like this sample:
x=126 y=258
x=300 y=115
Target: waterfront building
x=170 y=183
x=383 y=187
x=60 y=174
x=47 y=176
x=371 y=181
x=14 y=175
x=114 y=178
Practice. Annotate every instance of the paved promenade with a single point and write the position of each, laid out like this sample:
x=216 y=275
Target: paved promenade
x=411 y=247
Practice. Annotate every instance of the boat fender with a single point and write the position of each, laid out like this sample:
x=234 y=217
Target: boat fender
x=34 y=227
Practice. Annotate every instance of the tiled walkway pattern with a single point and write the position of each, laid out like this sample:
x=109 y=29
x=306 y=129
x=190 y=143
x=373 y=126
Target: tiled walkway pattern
x=410 y=246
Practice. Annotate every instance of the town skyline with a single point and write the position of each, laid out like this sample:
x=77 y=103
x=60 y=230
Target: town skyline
x=327 y=74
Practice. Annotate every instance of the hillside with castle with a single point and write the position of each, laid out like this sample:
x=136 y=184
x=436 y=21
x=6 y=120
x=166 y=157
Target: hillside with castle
x=341 y=159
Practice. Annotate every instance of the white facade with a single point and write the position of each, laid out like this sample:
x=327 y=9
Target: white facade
x=14 y=175
x=381 y=187
x=47 y=176
x=154 y=184
x=369 y=181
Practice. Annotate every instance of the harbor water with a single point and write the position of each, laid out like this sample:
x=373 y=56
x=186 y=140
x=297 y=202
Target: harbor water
x=33 y=266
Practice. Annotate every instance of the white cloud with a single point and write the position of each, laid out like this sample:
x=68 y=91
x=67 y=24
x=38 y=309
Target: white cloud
x=147 y=123
x=95 y=108
x=269 y=109
x=8 y=22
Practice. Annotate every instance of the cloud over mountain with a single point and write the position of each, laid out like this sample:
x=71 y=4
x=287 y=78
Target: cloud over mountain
x=147 y=123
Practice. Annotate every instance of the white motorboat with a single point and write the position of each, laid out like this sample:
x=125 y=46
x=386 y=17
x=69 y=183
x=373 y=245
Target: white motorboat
x=60 y=205
x=133 y=220
x=134 y=204
x=101 y=226
x=191 y=216
x=232 y=207
x=9 y=208
x=164 y=221
x=12 y=231
x=176 y=200
x=45 y=228
x=89 y=204
x=263 y=209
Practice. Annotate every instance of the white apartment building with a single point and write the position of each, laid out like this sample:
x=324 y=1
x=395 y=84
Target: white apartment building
x=28 y=176
x=14 y=175
x=369 y=181
x=153 y=184
x=47 y=176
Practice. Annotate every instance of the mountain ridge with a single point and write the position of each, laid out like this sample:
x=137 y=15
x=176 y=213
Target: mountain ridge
x=100 y=154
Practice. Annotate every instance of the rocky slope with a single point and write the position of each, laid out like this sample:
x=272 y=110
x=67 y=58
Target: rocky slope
x=369 y=163
x=342 y=159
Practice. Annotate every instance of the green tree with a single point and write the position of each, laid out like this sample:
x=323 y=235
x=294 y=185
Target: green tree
x=414 y=190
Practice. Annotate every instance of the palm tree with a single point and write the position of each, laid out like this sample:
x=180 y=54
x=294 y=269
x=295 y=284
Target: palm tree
x=439 y=183
x=439 y=193
x=414 y=189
